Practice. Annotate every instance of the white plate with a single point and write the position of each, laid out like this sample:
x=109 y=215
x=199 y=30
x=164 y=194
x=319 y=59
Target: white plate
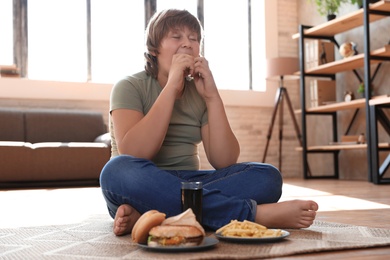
x=253 y=239
x=207 y=242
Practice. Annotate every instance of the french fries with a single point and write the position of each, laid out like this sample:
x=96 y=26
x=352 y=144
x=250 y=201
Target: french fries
x=247 y=229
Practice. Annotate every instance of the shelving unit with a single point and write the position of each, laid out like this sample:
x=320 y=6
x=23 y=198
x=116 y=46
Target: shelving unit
x=373 y=106
x=347 y=22
x=349 y=63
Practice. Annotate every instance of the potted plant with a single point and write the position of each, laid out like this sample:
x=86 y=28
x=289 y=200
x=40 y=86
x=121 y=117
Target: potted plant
x=360 y=2
x=328 y=7
x=361 y=90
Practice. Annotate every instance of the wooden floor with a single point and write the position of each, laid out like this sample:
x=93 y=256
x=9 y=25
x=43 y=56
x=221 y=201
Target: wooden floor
x=350 y=202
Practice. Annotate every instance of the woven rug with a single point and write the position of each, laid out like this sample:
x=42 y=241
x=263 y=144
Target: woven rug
x=93 y=239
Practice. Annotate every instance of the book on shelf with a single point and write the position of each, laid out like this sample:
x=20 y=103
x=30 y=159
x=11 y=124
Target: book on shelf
x=321 y=92
x=318 y=52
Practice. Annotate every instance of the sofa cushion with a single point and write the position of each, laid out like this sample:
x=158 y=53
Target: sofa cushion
x=71 y=161
x=63 y=126
x=15 y=161
x=12 y=125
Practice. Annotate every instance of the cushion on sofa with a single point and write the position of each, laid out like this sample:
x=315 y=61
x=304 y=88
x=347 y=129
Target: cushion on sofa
x=63 y=126
x=15 y=161
x=12 y=125
x=71 y=161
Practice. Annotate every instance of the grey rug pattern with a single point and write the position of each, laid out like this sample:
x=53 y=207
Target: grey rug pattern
x=93 y=239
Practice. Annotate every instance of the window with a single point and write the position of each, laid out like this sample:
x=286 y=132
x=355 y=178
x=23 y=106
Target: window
x=226 y=42
x=57 y=40
x=258 y=45
x=58 y=46
x=189 y=5
x=117 y=39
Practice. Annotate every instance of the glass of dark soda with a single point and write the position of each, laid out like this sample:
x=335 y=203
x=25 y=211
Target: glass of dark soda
x=191 y=197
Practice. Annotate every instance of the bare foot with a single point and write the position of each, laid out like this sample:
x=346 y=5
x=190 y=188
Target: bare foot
x=287 y=214
x=125 y=218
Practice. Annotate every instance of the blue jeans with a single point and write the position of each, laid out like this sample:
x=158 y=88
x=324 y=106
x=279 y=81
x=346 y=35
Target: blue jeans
x=229 y=193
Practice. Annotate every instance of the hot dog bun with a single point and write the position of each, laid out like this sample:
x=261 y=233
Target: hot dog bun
x=144 y=224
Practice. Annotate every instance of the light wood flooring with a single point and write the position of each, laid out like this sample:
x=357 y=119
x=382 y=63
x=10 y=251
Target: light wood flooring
x=350 y=202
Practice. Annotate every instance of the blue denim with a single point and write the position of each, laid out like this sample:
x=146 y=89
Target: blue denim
x=229 y=193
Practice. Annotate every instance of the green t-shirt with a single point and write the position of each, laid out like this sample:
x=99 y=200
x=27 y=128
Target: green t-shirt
x=179 y=150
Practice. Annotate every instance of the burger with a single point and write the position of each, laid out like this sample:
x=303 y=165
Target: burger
x=153 y=229
x=145 y=223
x=174 y=236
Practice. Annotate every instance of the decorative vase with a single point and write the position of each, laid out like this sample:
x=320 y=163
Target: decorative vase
x=331 y=17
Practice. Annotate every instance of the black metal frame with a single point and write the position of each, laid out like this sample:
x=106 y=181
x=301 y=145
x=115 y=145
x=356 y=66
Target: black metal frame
x=374 y=113
x=306 y=172
x=378 y=172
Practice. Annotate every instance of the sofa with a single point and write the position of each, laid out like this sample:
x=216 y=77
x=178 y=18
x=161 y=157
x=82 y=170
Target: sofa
x=52 y=147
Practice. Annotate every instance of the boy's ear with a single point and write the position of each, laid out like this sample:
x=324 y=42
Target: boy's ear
x=153 y=53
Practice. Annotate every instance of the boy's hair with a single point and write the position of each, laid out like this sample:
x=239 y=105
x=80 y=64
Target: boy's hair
x=159 y=26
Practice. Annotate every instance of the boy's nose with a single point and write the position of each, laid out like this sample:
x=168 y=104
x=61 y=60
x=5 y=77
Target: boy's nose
x=186 y=43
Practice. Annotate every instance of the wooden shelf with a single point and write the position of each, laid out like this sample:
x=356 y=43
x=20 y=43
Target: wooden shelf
x=337 y=106
x=380 y=101
x=321 y=148
x=346 y=22
x=357 y=103
x=349 y=63
x=353 y=104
